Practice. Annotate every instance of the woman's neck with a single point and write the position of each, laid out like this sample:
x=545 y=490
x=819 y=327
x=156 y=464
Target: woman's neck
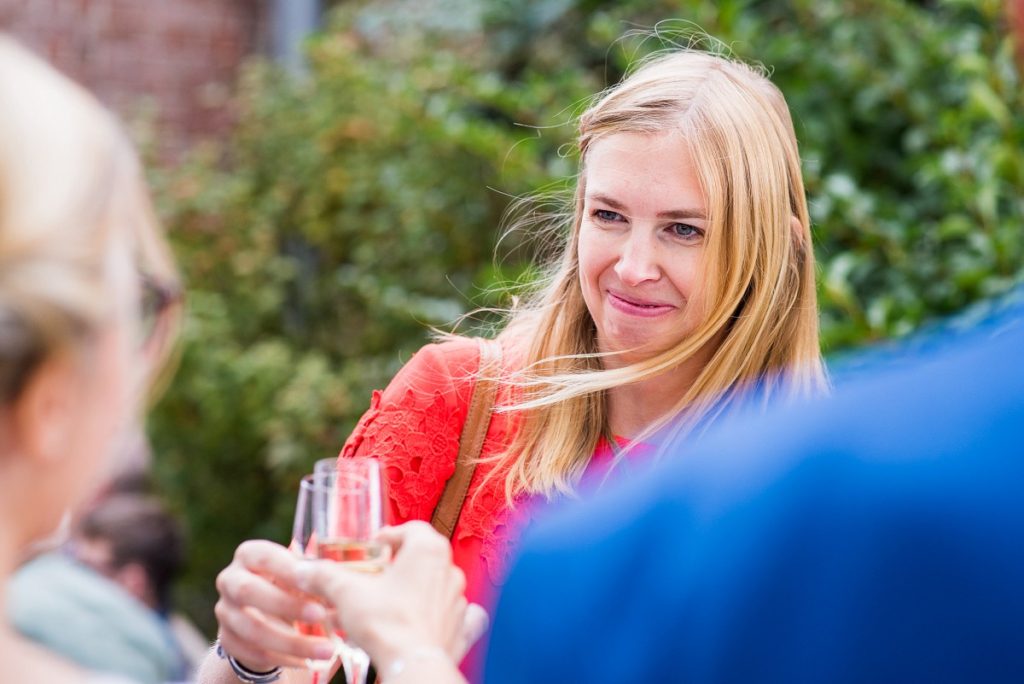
x=10 y=558
x=23 y=661
x=8 y=564
x=635 y=407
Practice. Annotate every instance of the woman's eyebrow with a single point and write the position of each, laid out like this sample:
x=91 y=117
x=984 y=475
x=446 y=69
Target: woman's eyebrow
x=675 y=214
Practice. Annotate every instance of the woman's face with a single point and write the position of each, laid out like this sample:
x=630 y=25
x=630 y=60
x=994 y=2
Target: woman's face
x=105 y=385
x=121 y=360
x=641 y=244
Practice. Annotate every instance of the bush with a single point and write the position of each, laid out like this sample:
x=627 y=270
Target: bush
x=353 y=209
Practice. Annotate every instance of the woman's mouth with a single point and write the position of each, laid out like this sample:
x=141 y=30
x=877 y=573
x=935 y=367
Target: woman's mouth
x=638 y=307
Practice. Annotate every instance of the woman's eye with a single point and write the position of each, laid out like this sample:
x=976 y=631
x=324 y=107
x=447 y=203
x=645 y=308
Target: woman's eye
x=686 y=231
x=606 y=215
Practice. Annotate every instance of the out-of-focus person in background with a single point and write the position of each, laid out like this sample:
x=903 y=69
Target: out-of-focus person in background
x=686 y=274
x=105 y=601
x=88 y=313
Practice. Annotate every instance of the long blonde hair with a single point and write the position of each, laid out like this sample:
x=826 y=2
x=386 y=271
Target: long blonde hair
x=759 y=271
x=70 y=185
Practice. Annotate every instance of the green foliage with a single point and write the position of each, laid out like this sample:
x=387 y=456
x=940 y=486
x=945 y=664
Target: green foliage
x=354 y=208
x=913 y=161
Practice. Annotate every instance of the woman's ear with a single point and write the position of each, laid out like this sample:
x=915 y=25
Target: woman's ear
x=798 y=230
x=43 y=416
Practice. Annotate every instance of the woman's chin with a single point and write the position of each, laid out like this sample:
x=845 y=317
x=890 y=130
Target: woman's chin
x=630 y=349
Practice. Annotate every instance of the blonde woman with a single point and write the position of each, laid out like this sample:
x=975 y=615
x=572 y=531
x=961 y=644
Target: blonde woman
x=87 y=294
x=687 y=276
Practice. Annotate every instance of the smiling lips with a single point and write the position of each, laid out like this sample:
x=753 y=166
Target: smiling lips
x=638 y=307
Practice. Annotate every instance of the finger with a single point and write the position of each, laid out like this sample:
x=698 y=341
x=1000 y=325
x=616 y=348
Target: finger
x=328 y=580
x=269 y=560
x=250 y=630
x=458 y=580
x=243 y=589
x=253 y=657
x=397 y=536
x=416 y=539
x=474 y=625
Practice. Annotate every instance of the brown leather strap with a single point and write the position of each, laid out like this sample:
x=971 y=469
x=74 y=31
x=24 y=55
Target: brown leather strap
x=474 y=430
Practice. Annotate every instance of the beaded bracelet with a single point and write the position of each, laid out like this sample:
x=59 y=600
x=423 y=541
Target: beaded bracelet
x=243 y=673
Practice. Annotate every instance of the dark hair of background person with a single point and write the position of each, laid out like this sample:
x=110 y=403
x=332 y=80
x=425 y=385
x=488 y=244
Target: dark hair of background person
x=139 y=530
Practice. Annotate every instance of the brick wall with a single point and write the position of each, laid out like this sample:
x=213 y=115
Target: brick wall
x=177 y=58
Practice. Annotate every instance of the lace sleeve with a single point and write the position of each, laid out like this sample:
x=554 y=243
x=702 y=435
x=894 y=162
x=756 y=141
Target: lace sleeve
x=413 y=426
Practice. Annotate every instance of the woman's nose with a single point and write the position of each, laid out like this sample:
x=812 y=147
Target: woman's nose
x=638 y=261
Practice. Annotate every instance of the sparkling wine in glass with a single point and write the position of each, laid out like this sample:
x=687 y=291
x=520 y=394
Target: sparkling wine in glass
x=347 y=517
x=304 y=544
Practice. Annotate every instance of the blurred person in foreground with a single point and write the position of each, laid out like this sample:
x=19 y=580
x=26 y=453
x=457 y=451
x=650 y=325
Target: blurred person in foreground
x=871 y=537
x=105 y=601
x=88 y=294
x=685 y=273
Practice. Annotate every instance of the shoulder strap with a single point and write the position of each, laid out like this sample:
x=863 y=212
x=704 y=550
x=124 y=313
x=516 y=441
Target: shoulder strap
x=478 y=418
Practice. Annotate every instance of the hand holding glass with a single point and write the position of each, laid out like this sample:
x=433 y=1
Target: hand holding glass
x=347 y=515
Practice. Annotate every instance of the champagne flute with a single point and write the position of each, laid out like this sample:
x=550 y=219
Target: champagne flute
x=303 y=544
x=347 y=516
x=323 y=468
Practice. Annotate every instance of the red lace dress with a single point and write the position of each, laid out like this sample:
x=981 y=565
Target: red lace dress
x=413 y=427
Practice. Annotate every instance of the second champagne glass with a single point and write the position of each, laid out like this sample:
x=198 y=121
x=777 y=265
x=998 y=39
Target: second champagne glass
x=303 y=544
x=347 y=517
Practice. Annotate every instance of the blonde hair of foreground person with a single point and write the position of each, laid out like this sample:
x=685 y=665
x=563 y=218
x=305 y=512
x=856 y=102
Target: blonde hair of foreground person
x=77 y=237
x=758 y=266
